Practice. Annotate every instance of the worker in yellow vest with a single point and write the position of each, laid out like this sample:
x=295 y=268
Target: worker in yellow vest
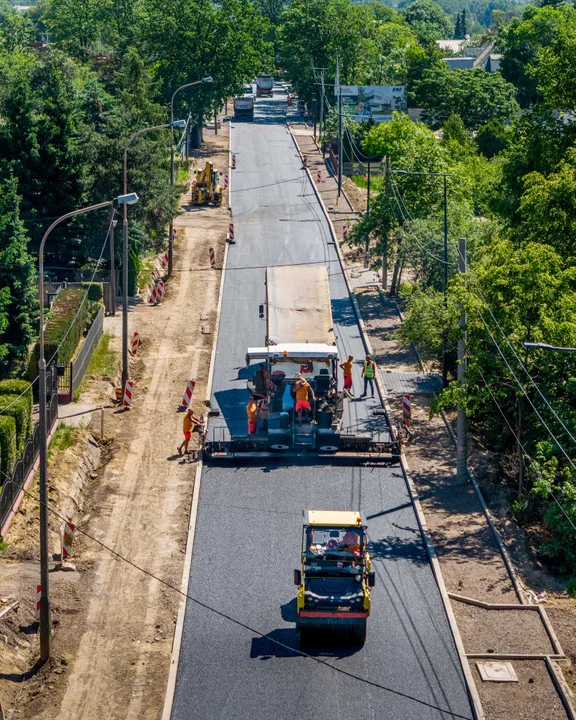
x=368 y=372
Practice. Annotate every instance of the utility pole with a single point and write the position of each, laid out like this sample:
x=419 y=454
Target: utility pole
x=445 y=284
x=385 y=249
x=322 y=111
x=461 y=422
x=340 y=145
x=368 y=197
x=314 y=111
x=112 y=270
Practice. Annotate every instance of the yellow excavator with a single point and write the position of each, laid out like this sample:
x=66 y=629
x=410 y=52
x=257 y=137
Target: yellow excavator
x=205 y=187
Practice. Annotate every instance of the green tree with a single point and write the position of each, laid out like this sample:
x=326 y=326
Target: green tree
x=428 y=20
x=15 y=29
x=17 y=281
x=477 y=96
x=76 y=25
x=493 y=138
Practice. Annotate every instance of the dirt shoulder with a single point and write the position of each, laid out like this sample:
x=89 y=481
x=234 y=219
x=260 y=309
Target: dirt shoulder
x=469 y=556
x=113 y=623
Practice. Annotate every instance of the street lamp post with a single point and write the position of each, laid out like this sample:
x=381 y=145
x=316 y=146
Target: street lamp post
x=171 y=238
x=45 y=619
x=177 y=123
x=545 y=346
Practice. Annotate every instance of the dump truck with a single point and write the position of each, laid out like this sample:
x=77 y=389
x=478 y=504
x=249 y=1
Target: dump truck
x=335 y=579
x=264 y=85
x=244 y=107
x=205 y=187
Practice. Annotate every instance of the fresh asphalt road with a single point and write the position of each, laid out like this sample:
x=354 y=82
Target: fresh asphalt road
x=248 y=530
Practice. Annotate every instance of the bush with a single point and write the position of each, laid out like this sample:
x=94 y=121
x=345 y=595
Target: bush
x=18 y=387
x=70 y=314
x=95 y=291
x=7 y=444
x=21 y=410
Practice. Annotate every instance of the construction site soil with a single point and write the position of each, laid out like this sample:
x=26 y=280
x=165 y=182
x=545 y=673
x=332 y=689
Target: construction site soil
x=114 y=623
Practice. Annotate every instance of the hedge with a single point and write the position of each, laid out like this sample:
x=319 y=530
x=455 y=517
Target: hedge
x=17 y=387
x=21 y=411
x=7 y=445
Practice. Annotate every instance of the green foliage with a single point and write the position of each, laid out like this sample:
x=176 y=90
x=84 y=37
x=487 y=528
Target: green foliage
x=475 y=95
x=64 y=438
x=68 y=319
x=103 y=360
x=17 y=301
x=17 y=387
x=8 y=453
x=493 y=138
x=428 y=20
x=20 y=409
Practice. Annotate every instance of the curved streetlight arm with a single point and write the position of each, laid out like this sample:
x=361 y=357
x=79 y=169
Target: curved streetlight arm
x=133 y=137
x=546 y=346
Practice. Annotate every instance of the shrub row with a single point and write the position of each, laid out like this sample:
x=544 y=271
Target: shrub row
x=8 y=452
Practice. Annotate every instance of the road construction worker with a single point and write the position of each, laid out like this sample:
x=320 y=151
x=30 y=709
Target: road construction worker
x=368 y=372
x=302 y=390
x=252 y=412
x=259 y=380
x=189 y=425
x=347 y=368
x=351 y=542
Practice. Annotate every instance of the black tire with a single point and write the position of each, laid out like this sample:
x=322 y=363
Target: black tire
x=358 y=633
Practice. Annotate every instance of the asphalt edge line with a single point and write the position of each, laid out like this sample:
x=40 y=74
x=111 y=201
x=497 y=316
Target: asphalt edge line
x=179 y=629
x=473 y=695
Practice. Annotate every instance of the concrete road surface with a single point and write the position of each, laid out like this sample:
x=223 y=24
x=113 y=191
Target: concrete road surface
x=248 y=531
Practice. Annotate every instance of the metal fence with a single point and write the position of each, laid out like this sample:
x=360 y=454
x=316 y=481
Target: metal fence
x=13 y=485
x=70 y=376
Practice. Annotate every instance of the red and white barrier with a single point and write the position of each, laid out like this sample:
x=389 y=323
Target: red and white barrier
x=304 y=161
x=188 y=393
x=345 y=232
x=319 y=177
x=152 y=300
x=38 y=598
x=173 y=233
x=231 y=232
x=233 y=161
x=128 y=391
x=160 y=291
x=225 y=181
x=67 y=531
x=135 y=343
x=164 y=260
x=406 y=408
x=212 y=258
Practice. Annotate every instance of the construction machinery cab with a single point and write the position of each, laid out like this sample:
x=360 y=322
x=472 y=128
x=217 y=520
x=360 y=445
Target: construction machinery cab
x=335 y=579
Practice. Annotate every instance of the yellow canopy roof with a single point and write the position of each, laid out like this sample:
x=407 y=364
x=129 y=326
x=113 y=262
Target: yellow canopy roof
x=332 y=517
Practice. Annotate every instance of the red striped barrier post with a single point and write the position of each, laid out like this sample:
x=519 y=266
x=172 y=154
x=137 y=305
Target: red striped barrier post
x=406 y=409
x=319 y=177
x=345 y=231
x=164 y=260
x=135 y=343
x=233 y=161
x=231 y=233
x=160 y=291
x=152 y=299
x=188 y=394
x=304 y=161
x=212 y=258
x=38 y=599
x=128 y=391
x=225 y=182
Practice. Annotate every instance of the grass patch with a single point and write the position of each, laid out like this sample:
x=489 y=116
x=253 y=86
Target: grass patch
x=376 y=183
x=63 y=438
x=3 y=545
x=103 y=360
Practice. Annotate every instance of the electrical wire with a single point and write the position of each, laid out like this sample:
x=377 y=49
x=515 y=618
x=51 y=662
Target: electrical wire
x=556 y=441
x=247 y=627
x=431 y=240
x=524 y=449
x=532 y=381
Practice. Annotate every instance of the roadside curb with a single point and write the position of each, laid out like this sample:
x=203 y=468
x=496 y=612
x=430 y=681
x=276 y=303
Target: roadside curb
x=179 y=628
x=474 y=697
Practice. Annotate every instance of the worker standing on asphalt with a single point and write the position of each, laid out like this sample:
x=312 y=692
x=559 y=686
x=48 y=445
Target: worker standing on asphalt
x=347 y=368
x=302 y=402
x=252 y=412
x=368 y=374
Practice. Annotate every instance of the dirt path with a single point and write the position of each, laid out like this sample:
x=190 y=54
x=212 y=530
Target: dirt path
x=111 y=654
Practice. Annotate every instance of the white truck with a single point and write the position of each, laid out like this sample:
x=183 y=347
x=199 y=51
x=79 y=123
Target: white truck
x=264 y=85
x=244 y=107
